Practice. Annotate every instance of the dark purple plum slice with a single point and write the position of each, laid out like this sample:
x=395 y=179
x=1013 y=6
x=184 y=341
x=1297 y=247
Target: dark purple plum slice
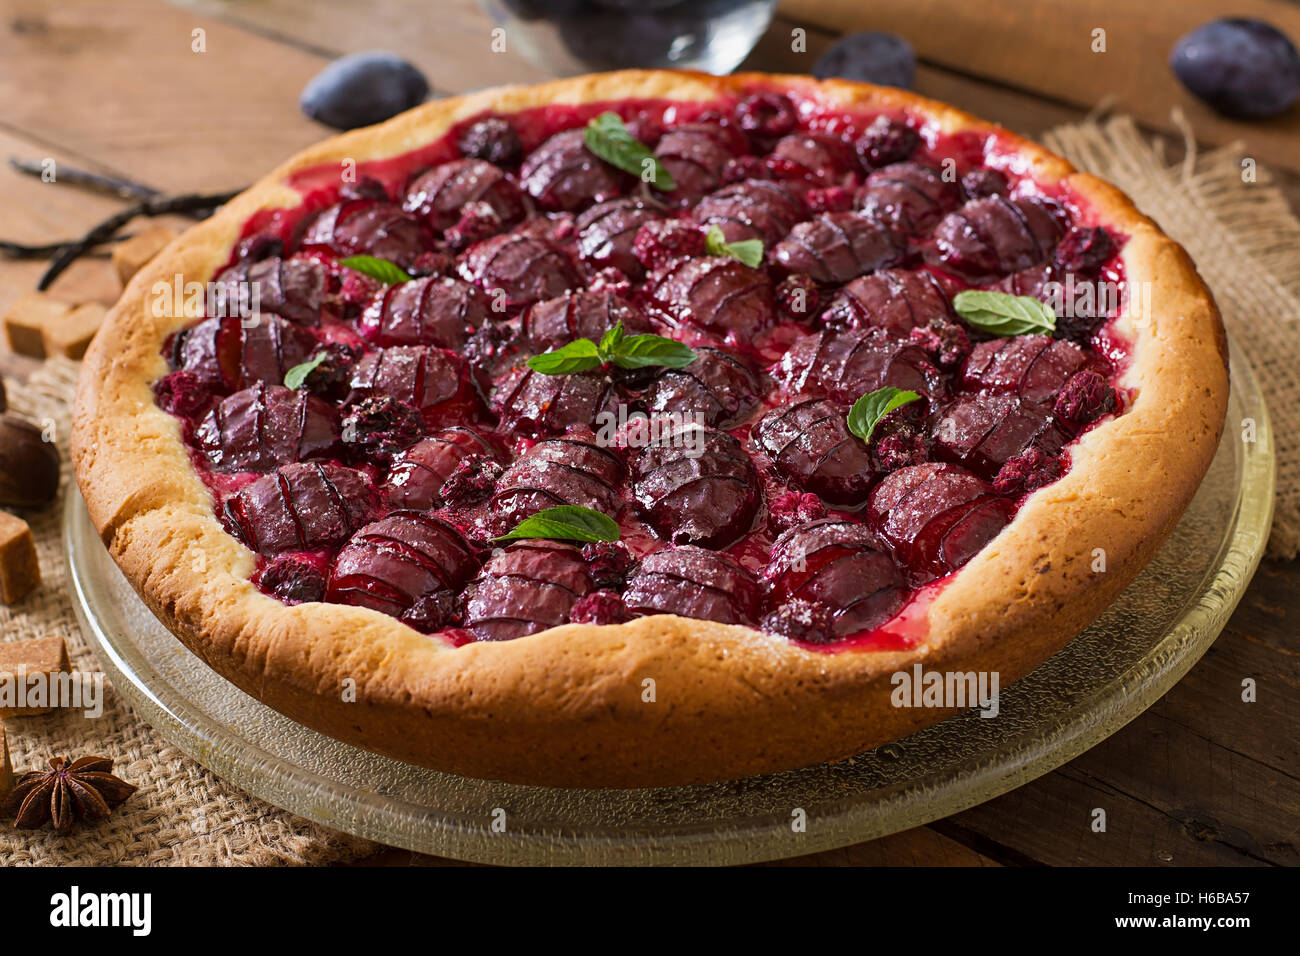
x=718 y=387
x=753 y=209
x=301 y=507
x=935 y=517
x=836 y=247
x=530 y=404
x=697 y=486
x=606 y=232
x=434 y=381
x=696 y=583
x=370 y=227
x=437 y=311
x=392 y=563
x=525 y=588
x=895 y=300
x=518 y=269
x=437 y=195
x=981 y=432
x=715 y=293
x=811 y=447
x=418 y=473
x=845 y=364
x=579 y=315
x=562 y=175
x=293 y=288
x=1035 y=367
x=908 y=197
x=839 y=564
x=228 y=354
x=569 y=470
x=266 y=426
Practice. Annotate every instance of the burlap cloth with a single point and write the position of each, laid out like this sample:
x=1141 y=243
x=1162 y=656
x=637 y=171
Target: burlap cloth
x=1242 y=236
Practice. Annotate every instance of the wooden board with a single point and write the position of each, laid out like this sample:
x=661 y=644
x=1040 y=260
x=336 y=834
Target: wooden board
x=1046 y=47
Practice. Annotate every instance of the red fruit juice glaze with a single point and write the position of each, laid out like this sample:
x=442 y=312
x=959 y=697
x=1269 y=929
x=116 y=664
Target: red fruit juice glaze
x=319 y=187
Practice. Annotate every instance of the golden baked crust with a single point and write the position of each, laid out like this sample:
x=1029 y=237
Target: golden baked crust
x=565 y=706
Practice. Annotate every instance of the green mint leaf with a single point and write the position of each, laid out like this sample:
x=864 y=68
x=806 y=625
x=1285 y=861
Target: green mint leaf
x=389 y=273
x=868 y=410
x=580 y=355
x=643 y=351
x=611 y=341
x=565 y=523
x=1002 y=314
x=608 y=138
x=748 y=251
x=296 y=377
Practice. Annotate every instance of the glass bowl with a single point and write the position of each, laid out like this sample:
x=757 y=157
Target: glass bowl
x=1104 y=678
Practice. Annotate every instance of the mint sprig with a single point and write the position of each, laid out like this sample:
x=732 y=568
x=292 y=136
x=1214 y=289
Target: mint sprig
x=748 y=251
x=565 y=523
x=296 y=377
x=389 y=273
x=608 y=138
x=614 y=348
x=1000 y=313
x=868 y=410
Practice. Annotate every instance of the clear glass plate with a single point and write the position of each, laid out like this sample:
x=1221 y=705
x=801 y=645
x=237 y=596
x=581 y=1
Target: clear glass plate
x=1104 y=678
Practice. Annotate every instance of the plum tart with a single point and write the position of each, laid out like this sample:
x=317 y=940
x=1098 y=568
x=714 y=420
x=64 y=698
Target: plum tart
x=636 y=429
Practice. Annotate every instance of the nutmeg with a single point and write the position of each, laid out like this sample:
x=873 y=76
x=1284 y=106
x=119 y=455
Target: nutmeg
x=29 y=465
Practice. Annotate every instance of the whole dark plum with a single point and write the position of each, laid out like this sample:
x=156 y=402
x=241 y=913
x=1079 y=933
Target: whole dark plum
x=363 y=88
x=869 y=57
x=1242 y=67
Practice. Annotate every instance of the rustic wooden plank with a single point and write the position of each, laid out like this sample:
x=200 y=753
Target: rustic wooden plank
x=117 y=80
x=449 y=40
x=1046 y=48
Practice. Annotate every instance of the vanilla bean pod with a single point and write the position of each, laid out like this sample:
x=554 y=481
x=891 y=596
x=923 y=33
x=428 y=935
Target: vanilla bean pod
x=21 y=250
x=112 y=185
x=155 y=206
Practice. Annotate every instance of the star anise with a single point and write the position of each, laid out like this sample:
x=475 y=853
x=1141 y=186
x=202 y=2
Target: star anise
x=69 y=791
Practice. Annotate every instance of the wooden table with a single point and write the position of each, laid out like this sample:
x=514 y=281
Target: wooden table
x=116 y=86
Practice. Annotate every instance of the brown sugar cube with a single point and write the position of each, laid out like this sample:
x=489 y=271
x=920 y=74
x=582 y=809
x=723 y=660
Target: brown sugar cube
x=26 y=320
x=71 y=334
x=40 y=655
x=130 y=257
x=20 y=573
x=6 y=768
